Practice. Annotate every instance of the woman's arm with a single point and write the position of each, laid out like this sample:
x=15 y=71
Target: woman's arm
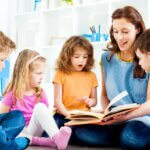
x=139 y=112
x=104 y=98
x=143 y=109
x=4 y=108
x=58 y=99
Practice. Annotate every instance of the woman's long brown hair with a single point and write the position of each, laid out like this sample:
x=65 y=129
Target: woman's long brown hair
x=134 y=17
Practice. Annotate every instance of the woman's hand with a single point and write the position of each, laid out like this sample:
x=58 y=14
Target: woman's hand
x=115 y=119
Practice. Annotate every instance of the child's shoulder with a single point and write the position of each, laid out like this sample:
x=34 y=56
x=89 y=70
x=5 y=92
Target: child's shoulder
x=9 y=93
x=59 y=72
x=91 y=73
x=8 y=97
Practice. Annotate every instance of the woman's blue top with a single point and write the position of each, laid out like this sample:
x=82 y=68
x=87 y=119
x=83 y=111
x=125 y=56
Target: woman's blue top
x=118 y=76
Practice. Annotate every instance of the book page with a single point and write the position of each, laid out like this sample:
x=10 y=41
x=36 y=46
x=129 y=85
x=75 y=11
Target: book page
x=116 y=99
x=82 y=122
x=81 y=113
x=122 y=109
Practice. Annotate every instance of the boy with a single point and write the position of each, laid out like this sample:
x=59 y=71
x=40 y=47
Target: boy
x=10 y=123
x=142 y=46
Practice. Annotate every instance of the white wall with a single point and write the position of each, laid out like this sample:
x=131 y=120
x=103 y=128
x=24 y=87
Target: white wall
x=8 y=8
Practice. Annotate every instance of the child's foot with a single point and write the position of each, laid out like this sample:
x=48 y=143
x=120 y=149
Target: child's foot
x=43 y=141
x=61 y=138
x=22 y=142
x=19 y=143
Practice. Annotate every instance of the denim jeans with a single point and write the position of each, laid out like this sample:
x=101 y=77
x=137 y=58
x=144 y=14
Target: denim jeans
x=89 y=135
x=10 y=125
x=135 y=136
x=97 y=135
x=132 y=135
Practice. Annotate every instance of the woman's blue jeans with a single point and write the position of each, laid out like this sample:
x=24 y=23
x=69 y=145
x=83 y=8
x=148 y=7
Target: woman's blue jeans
x=134 y=135
x=11 y=125
x=89 y=135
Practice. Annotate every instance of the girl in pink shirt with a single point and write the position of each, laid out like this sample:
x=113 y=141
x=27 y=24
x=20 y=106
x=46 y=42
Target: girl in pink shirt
x=25 y=94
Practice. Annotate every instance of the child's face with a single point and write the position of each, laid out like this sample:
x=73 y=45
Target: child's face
x=144 y=60
x=79 y=59
x=36 y=76
x=124 y=33
x=3 y=57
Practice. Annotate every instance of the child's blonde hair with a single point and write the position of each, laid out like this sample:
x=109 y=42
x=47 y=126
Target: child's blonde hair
x=27 y=61
x=64 y=60
x=6 y=44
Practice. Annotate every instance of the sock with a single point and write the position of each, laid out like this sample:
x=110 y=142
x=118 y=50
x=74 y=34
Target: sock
x=61 y=138
x=43 y=141
x=22 y=142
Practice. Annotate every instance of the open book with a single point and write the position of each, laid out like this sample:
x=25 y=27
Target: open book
x=79 y=117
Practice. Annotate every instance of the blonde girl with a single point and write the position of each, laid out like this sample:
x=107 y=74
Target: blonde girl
x=75 y=85
x=25 y=94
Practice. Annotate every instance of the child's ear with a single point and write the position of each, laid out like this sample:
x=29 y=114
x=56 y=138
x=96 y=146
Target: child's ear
x=148 y=54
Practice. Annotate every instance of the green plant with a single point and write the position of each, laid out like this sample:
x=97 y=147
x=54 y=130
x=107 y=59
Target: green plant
x=68 y=1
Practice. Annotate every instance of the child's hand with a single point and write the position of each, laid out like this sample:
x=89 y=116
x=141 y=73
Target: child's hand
x=67 y=115
x=89 y=102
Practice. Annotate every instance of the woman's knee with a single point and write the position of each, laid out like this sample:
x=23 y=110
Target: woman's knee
x=93 y=136
x=132 y=136
x=86 y=136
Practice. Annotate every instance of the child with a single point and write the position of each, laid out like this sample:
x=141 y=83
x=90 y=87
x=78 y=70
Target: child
x=142 y=46
x=74 y=84
x=13 y=122
x=25 y=94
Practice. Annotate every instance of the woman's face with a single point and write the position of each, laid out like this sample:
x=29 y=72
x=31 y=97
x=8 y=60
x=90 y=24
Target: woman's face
x=124 y=33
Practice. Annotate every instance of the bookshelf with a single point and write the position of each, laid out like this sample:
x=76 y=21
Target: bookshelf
x=45 y=30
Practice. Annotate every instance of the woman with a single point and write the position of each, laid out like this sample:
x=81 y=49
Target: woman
x=121 y=71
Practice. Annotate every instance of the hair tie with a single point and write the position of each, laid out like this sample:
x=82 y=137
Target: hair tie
x=34 y=58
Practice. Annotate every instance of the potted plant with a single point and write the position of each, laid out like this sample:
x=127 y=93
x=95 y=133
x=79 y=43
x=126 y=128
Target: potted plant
x=68 y=2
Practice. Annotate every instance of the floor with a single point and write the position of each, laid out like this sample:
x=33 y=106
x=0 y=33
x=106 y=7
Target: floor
x=70 y=147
